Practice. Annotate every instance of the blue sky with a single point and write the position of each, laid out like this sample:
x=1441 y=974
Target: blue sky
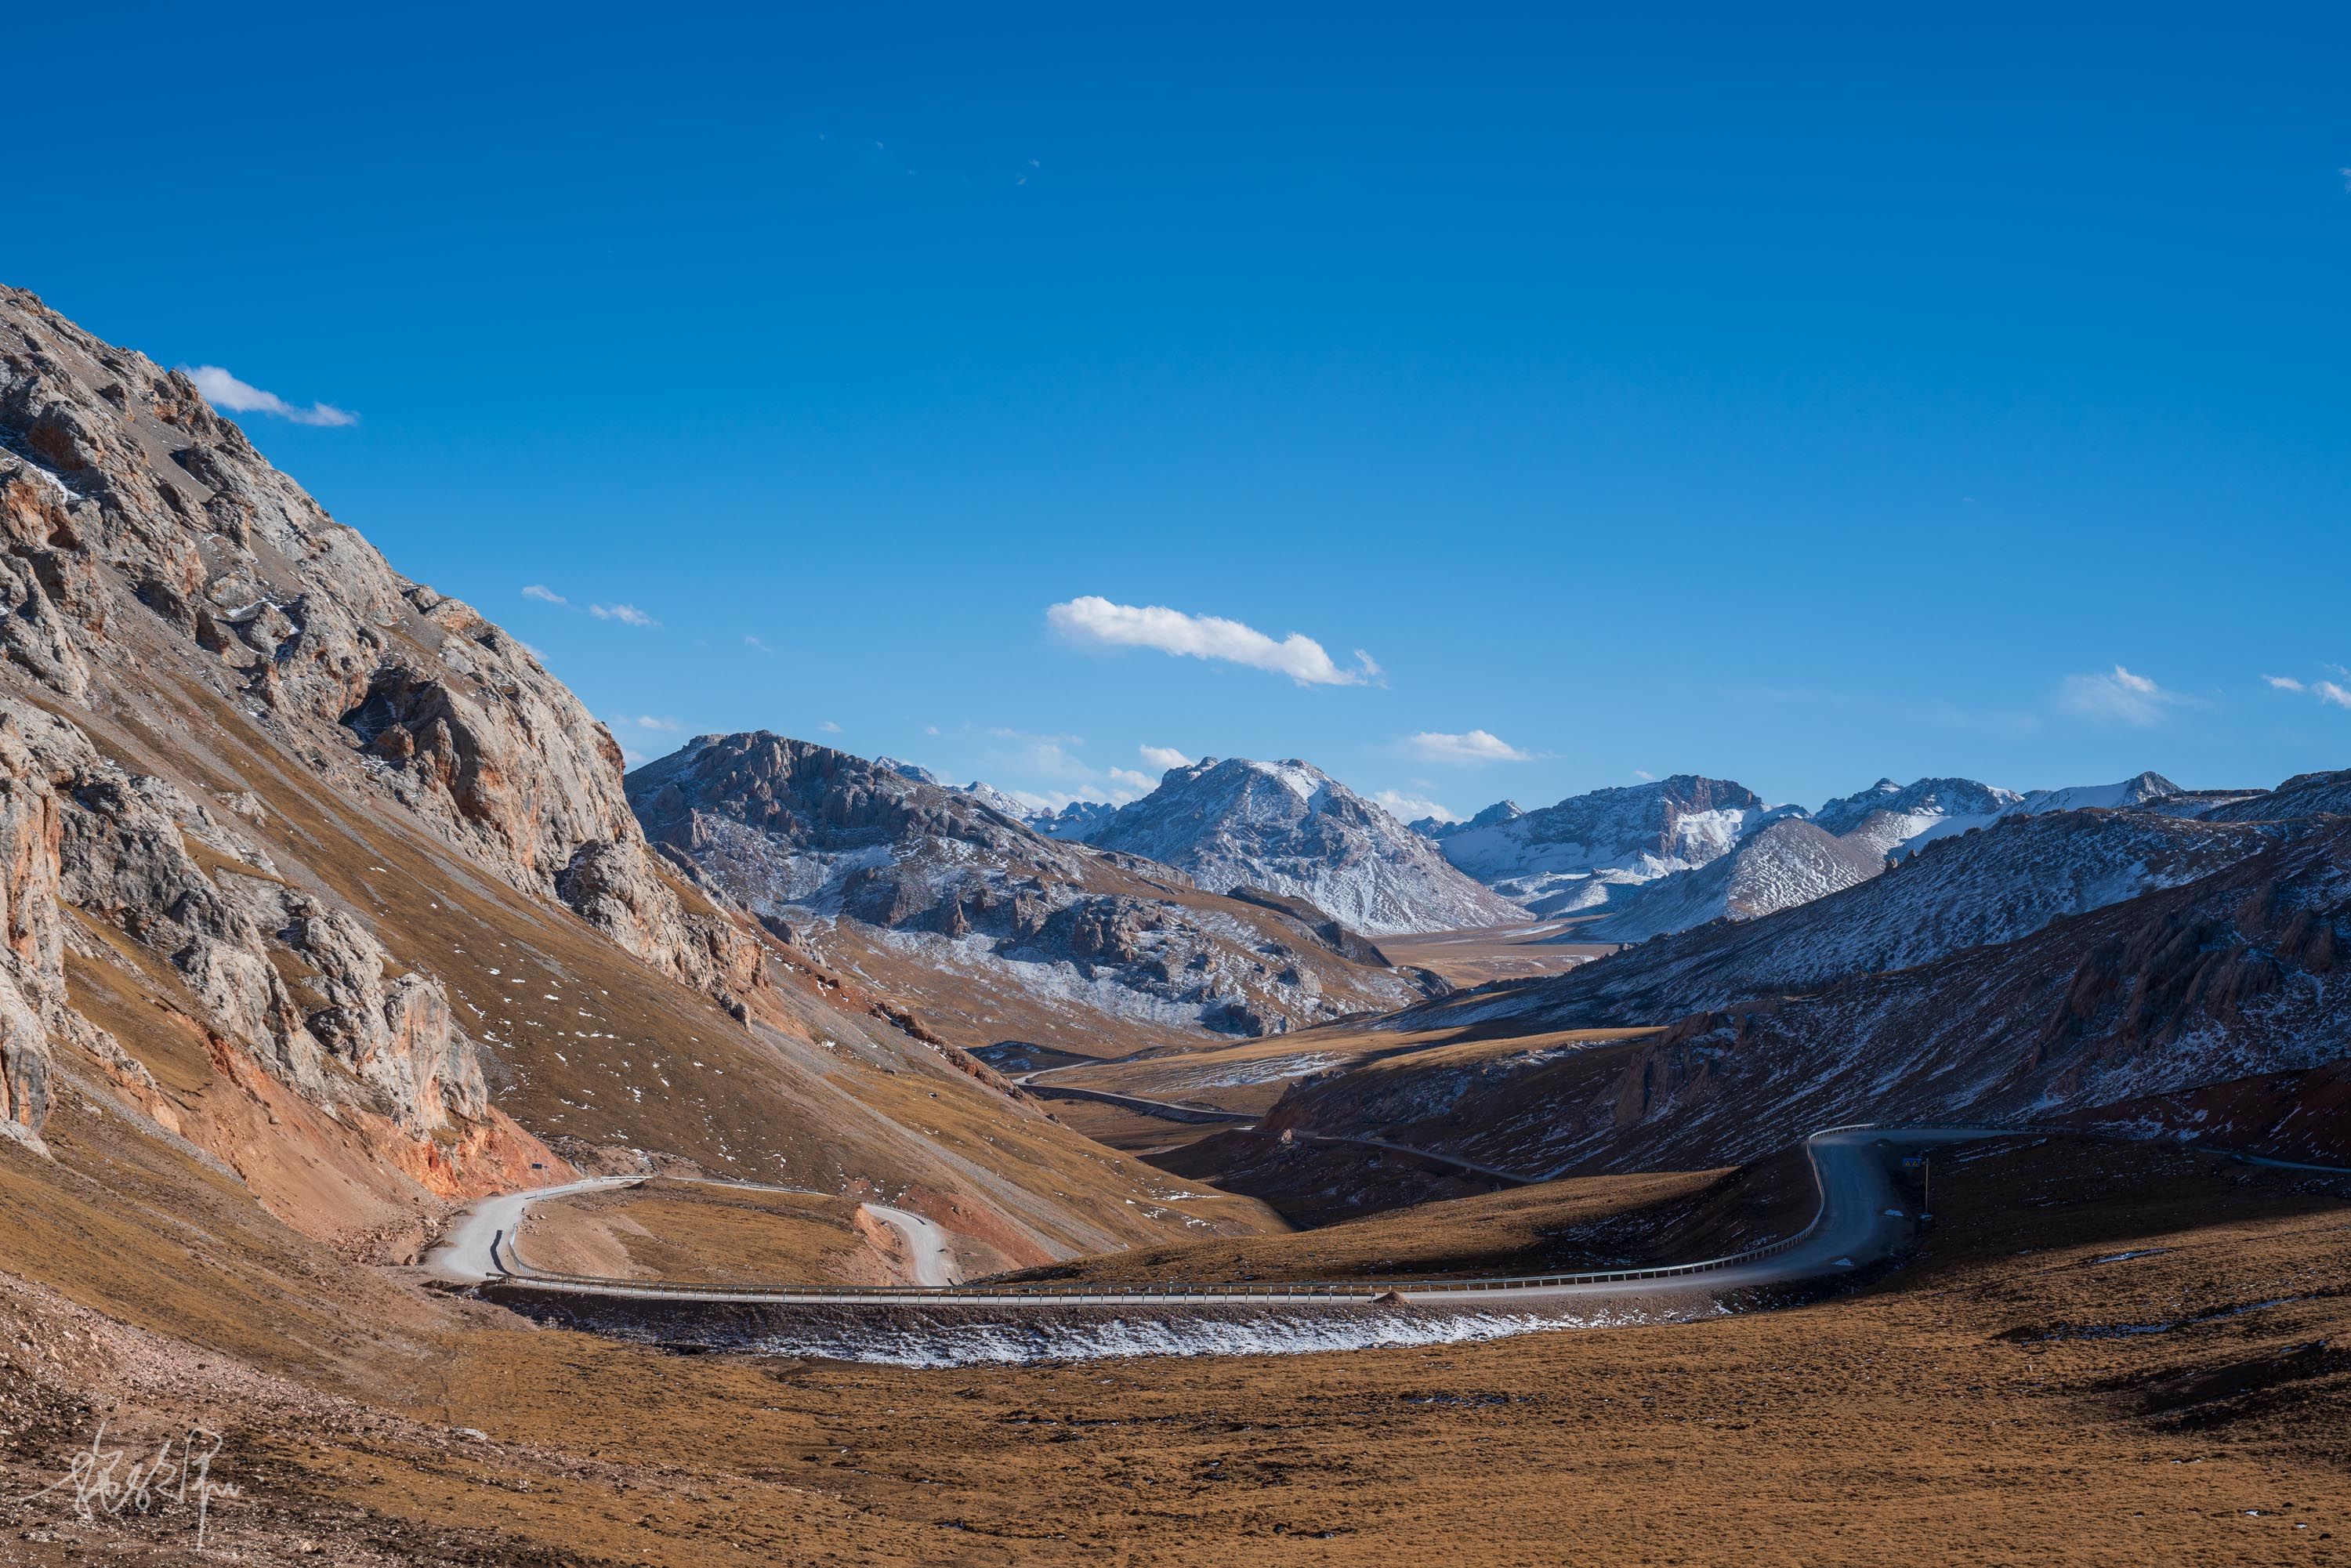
x=1797 y=395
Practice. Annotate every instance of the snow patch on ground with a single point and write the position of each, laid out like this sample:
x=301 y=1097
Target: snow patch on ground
x=1018 y=1342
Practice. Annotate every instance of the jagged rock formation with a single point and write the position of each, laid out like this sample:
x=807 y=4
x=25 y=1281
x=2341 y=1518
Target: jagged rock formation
x=1292 y=829
x=821 y=843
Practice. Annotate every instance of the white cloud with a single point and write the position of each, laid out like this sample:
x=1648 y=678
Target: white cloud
x=1645 y=778
x=1406 y=808
x=632 y=757
x=2332 y=693
x=2121 y=696
x=1477 y=746
x=1163 y=757
x=626 y=614
x=647 y=721
x=829 y=728
x=750 y=642
x=543 y=593
x=228 y=394
x=1095 y=620
x=930 y=729
x=1133 y=781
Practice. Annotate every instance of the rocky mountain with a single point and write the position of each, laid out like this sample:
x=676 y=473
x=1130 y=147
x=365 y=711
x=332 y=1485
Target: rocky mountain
x=323 y=891
x=2304 y=795
x=1292 y=829
x=1887 y=816
x=1582 y=852
x=1792 y=861
x=882 y=869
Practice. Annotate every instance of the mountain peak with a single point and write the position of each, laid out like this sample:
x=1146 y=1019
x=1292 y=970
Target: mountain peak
x=1291 y=828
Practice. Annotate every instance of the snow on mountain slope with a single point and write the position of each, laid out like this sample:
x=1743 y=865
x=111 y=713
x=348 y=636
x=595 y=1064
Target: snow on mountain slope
x=1926 y=798
x=2304 y=795
x=1997 y=886
x=1790 y=862
x=1291 y=828
x=2140 y=791
x=2211 y=980
x=1889 y=817
x=1581 y=853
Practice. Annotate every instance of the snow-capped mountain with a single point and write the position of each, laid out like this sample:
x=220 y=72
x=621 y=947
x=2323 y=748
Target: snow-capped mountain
x=1292 y=829
x=887 y=874
x=1789 y=863
x=2136 y=792
x=1581 y=852
x=2047 y=966
x=1887 y=816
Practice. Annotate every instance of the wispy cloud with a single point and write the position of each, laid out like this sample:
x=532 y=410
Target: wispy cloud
x=1095 y=621
x=543 y=593
x=1473 y=745
x=2332 y=693
x=930 y=729
x=626 y=614
x=756 y=644
x=1644 y=776
x=1163 y=757
x=1133 y=781
x=2121 y=697
x=665 y=726
x=829 y=728
x=1406 y=808
x=230 y=395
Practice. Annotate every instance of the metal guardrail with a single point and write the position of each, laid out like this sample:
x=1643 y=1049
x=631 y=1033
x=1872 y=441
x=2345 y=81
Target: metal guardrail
x=524 y=1275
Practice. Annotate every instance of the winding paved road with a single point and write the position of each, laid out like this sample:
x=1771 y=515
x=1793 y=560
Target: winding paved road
x=479 y=1243
x=1860 y=1219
